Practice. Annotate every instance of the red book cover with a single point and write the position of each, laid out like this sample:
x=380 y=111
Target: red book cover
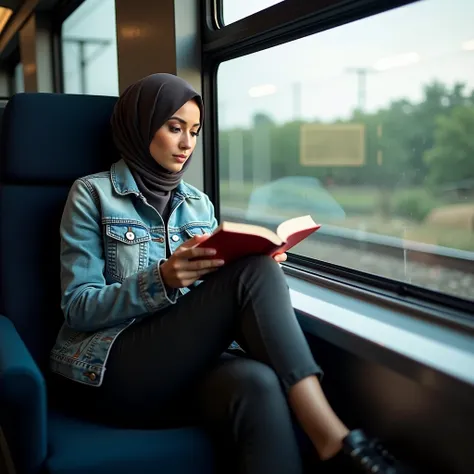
x=233 y=241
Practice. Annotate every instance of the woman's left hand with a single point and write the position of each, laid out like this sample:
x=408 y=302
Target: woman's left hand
x=280 y=257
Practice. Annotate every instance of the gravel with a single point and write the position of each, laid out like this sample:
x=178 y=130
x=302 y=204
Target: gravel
x=433 y=277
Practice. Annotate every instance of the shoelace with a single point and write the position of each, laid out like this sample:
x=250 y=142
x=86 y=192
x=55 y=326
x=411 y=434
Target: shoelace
x=378 y=464
x=377 y=445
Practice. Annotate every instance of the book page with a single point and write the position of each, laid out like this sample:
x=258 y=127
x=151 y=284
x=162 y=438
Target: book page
x=251 y=230
x=289 y=227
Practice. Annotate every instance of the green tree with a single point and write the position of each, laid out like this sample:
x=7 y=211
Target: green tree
x=398 y=138
x=451 y=159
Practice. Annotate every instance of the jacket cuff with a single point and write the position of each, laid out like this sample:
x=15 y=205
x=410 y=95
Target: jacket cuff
x=171 y=294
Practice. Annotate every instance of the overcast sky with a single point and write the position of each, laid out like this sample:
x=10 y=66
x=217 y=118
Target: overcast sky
x=401 y=50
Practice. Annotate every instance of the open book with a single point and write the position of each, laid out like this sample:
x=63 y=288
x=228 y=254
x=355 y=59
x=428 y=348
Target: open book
x=233 y=241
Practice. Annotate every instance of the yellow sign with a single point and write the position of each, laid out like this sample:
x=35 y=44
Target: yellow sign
x=332 y=145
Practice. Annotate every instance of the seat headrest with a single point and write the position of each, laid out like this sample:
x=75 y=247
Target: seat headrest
x=56 y=138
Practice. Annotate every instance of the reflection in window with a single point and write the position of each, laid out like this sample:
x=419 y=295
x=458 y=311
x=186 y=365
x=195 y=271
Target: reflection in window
x=377 y=145
x=233 y=11
x=90 y=49
x=19 y=81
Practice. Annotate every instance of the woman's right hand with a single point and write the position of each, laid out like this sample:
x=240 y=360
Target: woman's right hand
x=178 y=271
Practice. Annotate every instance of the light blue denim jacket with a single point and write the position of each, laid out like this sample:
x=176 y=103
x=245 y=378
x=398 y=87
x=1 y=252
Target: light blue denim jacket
x=112 y=244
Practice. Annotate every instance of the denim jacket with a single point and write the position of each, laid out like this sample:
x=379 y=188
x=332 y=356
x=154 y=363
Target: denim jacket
x=112 y=244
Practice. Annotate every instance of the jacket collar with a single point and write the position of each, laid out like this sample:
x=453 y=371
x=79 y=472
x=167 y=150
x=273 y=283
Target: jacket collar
x=124 y=183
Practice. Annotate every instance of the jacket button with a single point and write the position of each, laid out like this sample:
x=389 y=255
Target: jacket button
x=175 y=238
x=130 y=236
x=90 y=375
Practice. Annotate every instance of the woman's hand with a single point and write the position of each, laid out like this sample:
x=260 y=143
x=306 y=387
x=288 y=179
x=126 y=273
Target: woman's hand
x=178 y=271
x=280 y=257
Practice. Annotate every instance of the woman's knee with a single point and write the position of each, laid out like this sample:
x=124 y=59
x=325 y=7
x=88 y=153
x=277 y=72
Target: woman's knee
x=259 y=265
x=257 y=380
x=259 y=399
x=260 y=261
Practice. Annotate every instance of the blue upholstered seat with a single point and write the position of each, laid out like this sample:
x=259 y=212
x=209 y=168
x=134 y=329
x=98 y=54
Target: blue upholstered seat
x=82 y=447
x=48 y=140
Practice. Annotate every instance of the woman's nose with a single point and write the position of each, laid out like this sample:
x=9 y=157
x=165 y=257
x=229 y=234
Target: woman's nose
x=185 y=143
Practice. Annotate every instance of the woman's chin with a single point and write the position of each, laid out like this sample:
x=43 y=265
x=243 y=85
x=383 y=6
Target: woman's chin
x=175 y=168
x=172 y=167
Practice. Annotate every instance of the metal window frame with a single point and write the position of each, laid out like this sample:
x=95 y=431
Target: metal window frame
x=60 y=13
x=287 y=21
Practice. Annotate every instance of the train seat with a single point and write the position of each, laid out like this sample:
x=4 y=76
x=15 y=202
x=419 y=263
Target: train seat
x=49 y=140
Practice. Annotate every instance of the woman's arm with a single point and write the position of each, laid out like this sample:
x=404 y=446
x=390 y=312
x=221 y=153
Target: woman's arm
x=214 y=225
x=212 y=215
x=87 y=301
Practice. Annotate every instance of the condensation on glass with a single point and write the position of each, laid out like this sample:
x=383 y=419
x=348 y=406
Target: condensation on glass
x=370 y=132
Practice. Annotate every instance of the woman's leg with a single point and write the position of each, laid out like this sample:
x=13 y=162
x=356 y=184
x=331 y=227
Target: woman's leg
x=239 y=400
x=243 y=398
x=270 y=333
x=166 y=353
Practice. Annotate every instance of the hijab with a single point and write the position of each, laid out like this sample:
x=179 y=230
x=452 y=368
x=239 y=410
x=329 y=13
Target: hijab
x=141 y=110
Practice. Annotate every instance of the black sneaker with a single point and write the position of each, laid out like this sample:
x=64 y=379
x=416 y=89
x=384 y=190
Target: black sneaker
x=369 y=455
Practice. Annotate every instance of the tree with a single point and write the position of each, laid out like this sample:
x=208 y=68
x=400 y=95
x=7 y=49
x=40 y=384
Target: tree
x=452 y=157
x=398 y=139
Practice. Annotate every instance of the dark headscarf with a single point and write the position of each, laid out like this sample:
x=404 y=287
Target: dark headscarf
x=140 y=111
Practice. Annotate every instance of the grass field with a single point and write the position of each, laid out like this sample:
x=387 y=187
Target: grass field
x=359 y=196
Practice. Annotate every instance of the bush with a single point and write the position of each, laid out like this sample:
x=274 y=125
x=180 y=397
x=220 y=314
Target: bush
x=413 y=204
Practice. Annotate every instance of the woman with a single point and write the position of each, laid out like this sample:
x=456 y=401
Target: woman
x=135 y=304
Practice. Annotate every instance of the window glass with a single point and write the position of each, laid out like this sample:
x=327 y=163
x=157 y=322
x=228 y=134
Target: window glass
x=19 y=82
x=233 y=11
x=90 y=49
x=367 y=128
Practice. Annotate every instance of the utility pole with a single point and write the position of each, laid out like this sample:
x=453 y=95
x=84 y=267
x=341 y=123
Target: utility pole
x=83 y=61
x=296 y=100
x=361 y=73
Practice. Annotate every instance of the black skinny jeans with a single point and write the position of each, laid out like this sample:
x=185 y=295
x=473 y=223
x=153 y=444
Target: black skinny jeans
x=172 y=367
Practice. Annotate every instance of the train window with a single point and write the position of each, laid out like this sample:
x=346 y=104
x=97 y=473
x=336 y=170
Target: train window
x=233 y=11
x=19 y=82
x=376 y=145
x=89 y=49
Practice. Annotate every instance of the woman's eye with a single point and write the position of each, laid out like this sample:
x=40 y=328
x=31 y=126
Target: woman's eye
x=195 y=134
x=175 y=129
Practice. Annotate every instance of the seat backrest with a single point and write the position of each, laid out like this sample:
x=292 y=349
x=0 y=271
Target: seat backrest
x=47 y=141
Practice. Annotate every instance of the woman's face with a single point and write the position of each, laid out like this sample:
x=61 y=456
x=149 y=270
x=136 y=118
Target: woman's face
x=174 y=142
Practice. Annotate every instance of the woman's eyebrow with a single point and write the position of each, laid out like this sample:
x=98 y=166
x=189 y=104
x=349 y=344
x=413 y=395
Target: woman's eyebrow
x=183 y=121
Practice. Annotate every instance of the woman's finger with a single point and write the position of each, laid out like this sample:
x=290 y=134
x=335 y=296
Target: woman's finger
x=280 y=257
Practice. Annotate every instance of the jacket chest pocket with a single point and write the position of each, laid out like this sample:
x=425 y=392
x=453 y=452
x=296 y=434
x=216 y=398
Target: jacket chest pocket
x=190 y=230
x=127 y=249
x=179 y=235
x=196 y=229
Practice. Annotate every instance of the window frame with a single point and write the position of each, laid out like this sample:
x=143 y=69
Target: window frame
x=13 y=79
x=60 y=13
x=11 y=63
x=287 y=21
x=281 y=23
x=63 y=10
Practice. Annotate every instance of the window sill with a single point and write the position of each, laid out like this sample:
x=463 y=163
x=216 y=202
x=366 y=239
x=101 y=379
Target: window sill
x=436 y=356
